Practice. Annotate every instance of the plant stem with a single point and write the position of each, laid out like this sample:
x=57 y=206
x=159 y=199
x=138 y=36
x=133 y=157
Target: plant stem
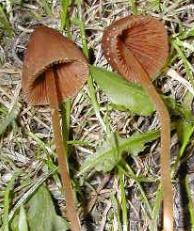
x=123 y=201
x=91 y=89
x=133 y=5
x=6 y=203
x=62 y=154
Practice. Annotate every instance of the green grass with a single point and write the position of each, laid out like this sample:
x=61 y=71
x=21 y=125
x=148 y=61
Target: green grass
x=190 y=202
x=91 y=90
x=5 y=25
x=74 y=22
x=7 y=199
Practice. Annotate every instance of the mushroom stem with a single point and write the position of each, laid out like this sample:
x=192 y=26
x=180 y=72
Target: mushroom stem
x=62 y=154
x=144 y=80
x=165 y=154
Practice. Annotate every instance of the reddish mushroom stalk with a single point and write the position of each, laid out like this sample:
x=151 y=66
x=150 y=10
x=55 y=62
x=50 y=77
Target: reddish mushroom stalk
x=61 y=151
x=55 y=69
x=137 y=48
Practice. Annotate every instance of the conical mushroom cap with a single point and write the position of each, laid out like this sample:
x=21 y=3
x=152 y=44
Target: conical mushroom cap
x=144 y=37
x=47 y=48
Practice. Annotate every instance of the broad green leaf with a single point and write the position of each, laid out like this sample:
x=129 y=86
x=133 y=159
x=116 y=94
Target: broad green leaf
x=128 y=96
x=28 y=194
x=42 y=215
x=22 y=222
x=14 y=223
x=110 y=153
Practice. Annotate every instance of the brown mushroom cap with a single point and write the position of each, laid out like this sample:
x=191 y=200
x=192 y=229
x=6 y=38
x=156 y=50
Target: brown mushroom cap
x=144 y=37
x=48 y=48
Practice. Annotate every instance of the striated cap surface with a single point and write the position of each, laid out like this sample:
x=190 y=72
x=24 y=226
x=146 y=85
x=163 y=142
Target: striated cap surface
x=47 y=48
x=142 y=37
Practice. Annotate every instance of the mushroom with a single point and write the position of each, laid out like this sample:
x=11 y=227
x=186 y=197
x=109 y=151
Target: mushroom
x=55 y=69
x=137 y=47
